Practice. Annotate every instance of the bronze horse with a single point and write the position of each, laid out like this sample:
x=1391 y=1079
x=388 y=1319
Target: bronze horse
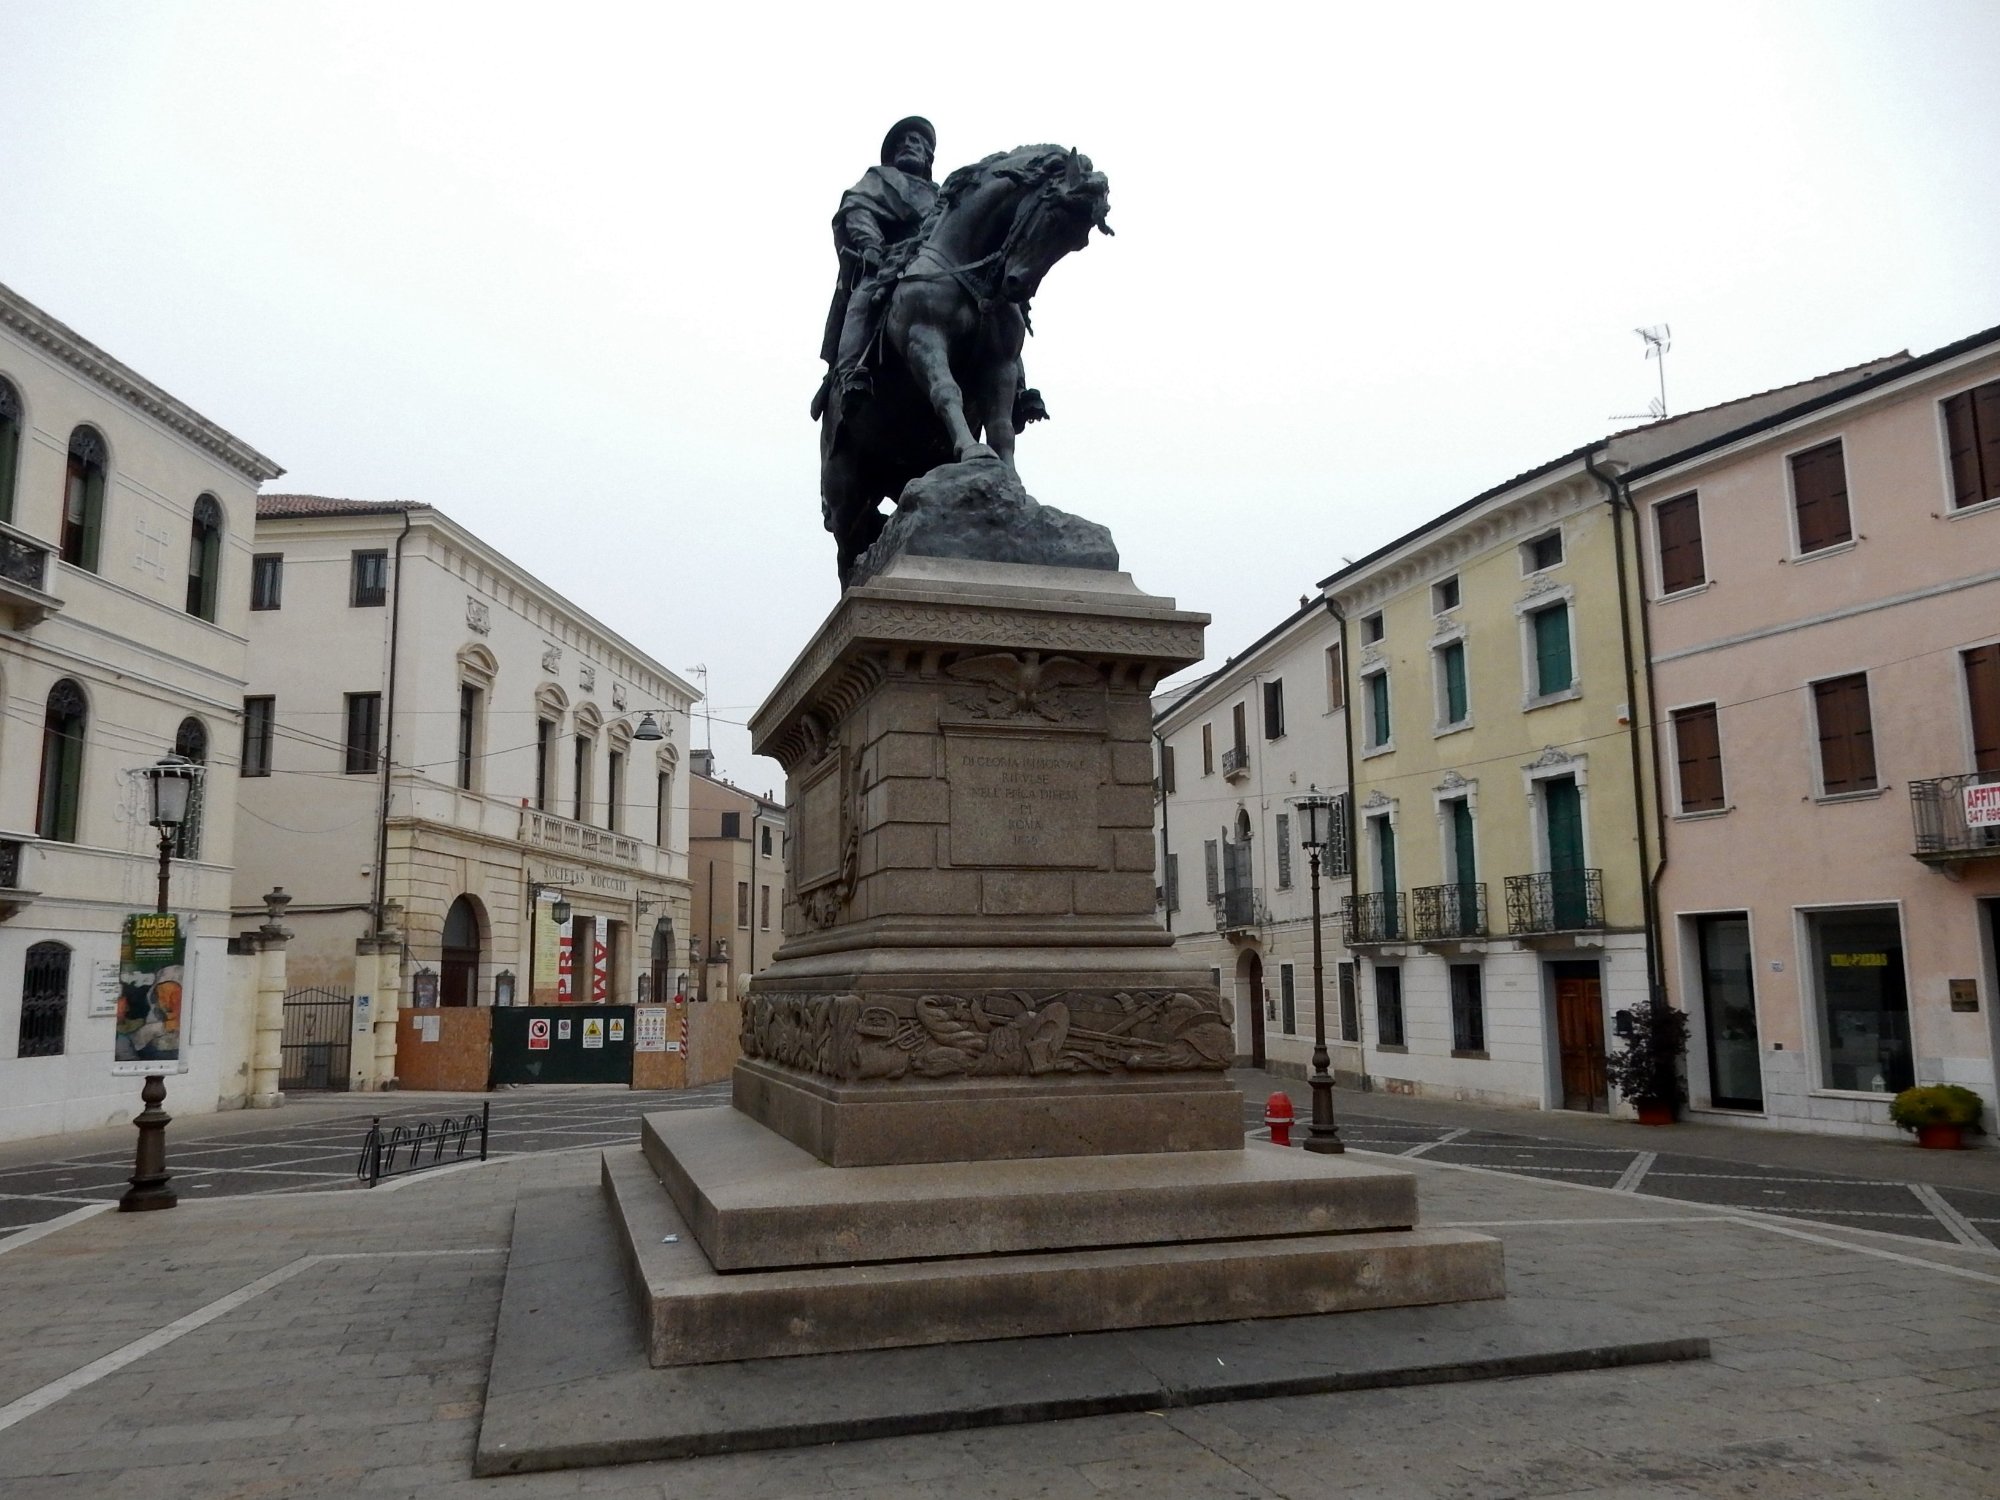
x=948 y=369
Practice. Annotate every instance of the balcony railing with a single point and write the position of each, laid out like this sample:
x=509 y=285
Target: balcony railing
x=552 y=832
x=1555 y=901
x=10 y=864
x=24 y=573
x=1239 y=908
x=1377 y=917
x=1938 y=809
x=1444 y=913
x=1235 y=763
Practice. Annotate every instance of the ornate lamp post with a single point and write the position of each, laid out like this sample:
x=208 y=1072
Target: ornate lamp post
x=1316 y=831
x=171 y=782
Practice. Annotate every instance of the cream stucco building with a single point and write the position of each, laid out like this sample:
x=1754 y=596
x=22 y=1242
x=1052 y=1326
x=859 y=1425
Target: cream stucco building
x=438 y=746
x=736 y=858
x=125 y=540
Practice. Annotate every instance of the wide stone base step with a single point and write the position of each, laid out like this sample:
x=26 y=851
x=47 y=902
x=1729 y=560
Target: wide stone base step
x=690 y=1313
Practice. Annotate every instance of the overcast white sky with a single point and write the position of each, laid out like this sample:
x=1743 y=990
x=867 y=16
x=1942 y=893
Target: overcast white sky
x=561 y=270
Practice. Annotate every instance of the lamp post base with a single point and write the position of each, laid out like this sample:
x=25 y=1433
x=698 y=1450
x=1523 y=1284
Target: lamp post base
x=149 y=1179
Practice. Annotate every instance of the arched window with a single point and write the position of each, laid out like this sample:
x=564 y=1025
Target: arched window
x=62 y=762
x=11 y=419
x=665 y=956
x=192 y=744
x=460 y=980
x=44 y=1001
x=83 y=498
x=204 y=558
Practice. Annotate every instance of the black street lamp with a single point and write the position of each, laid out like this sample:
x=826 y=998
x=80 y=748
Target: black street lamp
x=171 y=782
x=1316 y=810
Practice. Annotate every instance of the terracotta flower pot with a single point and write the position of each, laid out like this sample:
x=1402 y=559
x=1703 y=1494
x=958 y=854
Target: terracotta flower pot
x=1655 y=1114
x=1941 y=1137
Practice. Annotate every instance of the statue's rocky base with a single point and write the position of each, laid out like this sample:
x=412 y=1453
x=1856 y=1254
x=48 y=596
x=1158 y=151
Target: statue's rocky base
x=977 y=509
x=981 y=1095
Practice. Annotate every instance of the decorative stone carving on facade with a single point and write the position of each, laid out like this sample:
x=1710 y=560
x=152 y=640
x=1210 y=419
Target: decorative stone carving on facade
x=1447 y=628
x=1378 y=798
x=1539 y=585
x=1552 y=755
x=999 y=685
x=824 y=903
x=478 y=617
x=586 y=676
x=1371 y=655
x=618 y=696
x=994 y=1034
x=551 y=657
x=1452 y=782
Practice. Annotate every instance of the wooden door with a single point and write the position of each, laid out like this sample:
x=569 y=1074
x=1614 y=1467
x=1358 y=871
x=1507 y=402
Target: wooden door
x=1580 y=1035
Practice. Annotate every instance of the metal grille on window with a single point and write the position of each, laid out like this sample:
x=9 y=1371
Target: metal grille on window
x=44 y=1000
x=1284 y=851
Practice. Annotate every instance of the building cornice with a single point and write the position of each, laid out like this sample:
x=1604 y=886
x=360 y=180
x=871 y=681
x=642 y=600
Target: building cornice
x=70 y=348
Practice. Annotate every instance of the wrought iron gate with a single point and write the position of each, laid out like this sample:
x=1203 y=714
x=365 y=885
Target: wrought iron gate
x=319 y=1031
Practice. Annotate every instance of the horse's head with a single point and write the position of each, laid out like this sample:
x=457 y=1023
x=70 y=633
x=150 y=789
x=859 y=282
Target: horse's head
x=1060 y=205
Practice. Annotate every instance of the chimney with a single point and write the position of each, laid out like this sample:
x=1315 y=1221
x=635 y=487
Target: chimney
x=703 y=762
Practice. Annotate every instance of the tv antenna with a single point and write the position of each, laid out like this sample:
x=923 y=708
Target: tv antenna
x=1658 y=339
x=700 y=670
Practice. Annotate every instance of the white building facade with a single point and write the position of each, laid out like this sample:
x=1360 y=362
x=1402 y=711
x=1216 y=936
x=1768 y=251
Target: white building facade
x=440 y=747
x=1235 y=884
x=125 y=526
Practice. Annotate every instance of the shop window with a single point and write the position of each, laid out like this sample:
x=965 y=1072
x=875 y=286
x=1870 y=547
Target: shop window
x=1863 y=1007
x=1468 y=1009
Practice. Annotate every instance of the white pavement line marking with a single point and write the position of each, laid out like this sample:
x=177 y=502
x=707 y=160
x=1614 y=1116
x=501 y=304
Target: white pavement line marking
x=397 y=1183
x=1636 y=1173
x=110 y=1364
x=1573 y=1223
x=50 y=1226
x=1444 y=1140
x=1749 y=1222
x=1960 y=1226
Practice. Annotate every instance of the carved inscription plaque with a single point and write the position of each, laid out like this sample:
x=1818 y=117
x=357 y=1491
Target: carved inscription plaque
x=818 y=831
x=1019 y=800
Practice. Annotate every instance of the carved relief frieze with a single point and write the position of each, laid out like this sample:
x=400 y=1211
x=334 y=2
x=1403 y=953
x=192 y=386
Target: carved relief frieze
x=989 y=1034
x=551 y=657
x=618 y=696
x=1452 y=782
x=586 y=676
x=1378 y=799
x=478 y=615
x=1540 y=584
x=1000 y=687
x=1552 y=755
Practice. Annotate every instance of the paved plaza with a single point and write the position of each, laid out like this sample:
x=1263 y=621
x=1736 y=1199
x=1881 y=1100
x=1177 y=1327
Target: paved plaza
x=319 y=1341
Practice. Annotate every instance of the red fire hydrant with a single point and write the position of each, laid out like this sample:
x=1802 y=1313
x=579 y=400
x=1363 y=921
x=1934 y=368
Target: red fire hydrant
x=1278 y=1115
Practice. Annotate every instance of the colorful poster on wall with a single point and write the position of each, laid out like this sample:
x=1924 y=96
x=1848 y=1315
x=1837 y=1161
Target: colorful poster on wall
x=566 y=963
x=649 y=1029
x=152 y=971
x=547 y=940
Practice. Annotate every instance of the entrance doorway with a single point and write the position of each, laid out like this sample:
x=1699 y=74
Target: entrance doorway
x=1250 y=997
x=1579 y=1003
x=1729 y=1011
x=459 y=982
x=663 y=956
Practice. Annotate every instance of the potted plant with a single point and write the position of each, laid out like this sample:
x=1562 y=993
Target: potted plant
x=1938 y=1112
x=1647 y=1068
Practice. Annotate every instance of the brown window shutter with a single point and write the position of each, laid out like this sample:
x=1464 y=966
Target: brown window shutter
x=1167 y=768
x=1698 y=749
x=1819 y=490
x=1681 y=563
x=1986 y=421
x=1846 y=734
x=1962 y=441
x=1982 y=696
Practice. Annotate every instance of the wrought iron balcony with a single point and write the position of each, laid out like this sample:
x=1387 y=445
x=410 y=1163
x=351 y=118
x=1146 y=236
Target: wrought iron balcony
x=1448 y=913
x=24 y=572
x=1555 y=901
x=1945 y=833
x=1240 y=907
x=13 y=895
x=1235 y=763
x=1376 y=917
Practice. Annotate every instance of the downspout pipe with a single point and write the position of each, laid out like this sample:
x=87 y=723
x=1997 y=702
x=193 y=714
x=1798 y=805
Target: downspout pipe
x=389 y=731
x=1166 y=844
x=1619 y=499
x=1353 y=834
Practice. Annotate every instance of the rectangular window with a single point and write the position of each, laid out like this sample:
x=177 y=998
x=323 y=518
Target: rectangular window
x=742 y=903
x=1389 y=1006
x=614 y=787
x=1208 y=749
x=1211 y=858
x=1554 y=670
x=1542 y=552
x=1678 y=522
x=1173 y=874
x=1284 y=842
x=764 y=840
x=364 y=733
x=1336 y=683
x=1863 y=1006
x=1444 y=595
x=764 y=907
x=1698 y=754
x=1468 y=1009
x=1819 y=497
x=1846 y=734
x=580 y=803
x=1371 y=628
x=369 y=583
x=1288 y=1000
x=1972 y=433
x=1350 y=1012
x=1274 y=710
x=1375 y=690
x=260 y=721
x=1453 y=703
x=545 y=761
x=663 y=808
x=468 y=734
x=1167 y=769
x=732 y=825
x=267 y=580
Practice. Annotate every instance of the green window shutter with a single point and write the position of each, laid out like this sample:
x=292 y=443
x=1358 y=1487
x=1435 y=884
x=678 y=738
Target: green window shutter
x=1553 y=669
x=1454 y=683
x=1385 y=848
x=1463 y=859
x=1378 y=709
x=10 y=457
x=93 y=518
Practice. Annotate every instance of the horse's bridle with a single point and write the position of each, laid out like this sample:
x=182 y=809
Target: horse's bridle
x=983 y=296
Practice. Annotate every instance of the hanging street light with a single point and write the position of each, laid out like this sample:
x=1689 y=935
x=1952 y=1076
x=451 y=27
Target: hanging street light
x=1316 y=820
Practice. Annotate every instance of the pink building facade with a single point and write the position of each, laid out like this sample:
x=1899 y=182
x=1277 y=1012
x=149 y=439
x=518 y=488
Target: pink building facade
x=1823 y=604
